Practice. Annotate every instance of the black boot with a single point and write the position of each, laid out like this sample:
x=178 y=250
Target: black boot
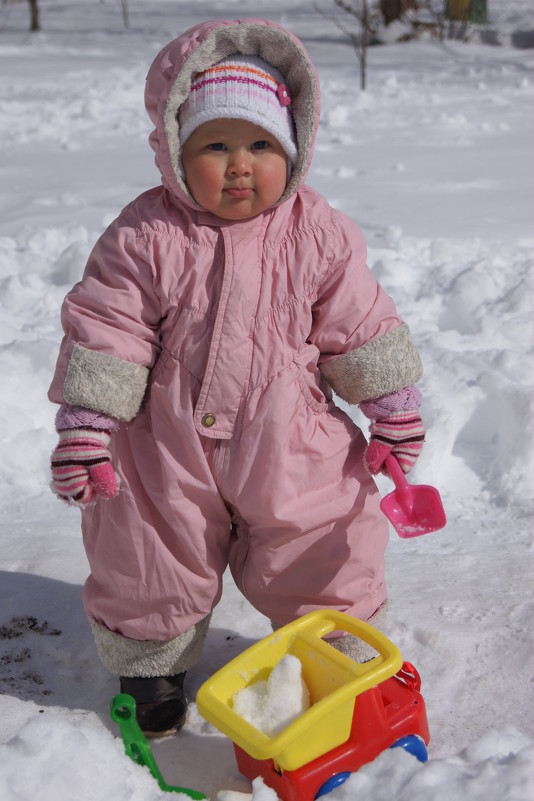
x=160 y=703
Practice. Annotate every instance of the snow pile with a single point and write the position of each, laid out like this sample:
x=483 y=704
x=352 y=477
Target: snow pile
x=476 y=371
x=497 y=767
x=271 y=705
x=57 y=756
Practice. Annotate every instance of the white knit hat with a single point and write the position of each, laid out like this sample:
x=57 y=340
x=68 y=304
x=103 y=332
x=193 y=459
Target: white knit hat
x=241 y=87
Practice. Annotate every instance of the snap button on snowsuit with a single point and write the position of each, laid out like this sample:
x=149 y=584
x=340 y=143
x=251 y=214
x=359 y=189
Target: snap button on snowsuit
x=208 y=420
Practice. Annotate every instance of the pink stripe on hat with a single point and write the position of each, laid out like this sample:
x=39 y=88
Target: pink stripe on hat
x=241 y=87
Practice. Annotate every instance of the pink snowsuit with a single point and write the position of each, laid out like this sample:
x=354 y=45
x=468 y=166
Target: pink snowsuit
x=217 y=344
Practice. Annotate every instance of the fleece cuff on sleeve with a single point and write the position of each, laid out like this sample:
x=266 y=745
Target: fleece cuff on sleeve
x=105 y=383
x=378 y=368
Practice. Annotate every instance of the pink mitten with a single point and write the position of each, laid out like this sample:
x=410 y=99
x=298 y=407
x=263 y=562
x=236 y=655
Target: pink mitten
x=401 y=433
x=81 y=467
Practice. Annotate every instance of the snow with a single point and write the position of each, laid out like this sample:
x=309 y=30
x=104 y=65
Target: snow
x=434 y=162
x=271 y=705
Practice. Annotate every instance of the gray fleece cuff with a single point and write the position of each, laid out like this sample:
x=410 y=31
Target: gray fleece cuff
x=351 y=646
x=146 y=658
x=356 y=649
x=105 y=383
x=378 y=368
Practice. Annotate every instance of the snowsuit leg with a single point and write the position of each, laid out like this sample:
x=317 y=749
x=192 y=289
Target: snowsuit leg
x=157 y=553
x=308 y=532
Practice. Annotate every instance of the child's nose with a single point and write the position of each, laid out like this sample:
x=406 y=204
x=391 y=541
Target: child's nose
x=240 y=162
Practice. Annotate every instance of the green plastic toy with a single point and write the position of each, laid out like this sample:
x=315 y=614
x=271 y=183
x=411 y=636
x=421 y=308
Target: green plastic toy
x=135 y=744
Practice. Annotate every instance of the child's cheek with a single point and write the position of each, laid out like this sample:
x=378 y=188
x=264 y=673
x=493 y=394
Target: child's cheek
x=205 y=182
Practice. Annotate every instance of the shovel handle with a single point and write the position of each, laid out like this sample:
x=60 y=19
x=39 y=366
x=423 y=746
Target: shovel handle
x=396 y=473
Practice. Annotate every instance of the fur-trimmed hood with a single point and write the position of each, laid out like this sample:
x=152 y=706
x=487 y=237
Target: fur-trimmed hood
x=169 y=81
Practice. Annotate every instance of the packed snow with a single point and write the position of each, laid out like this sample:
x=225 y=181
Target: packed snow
x=434 y=162
x=271 y=704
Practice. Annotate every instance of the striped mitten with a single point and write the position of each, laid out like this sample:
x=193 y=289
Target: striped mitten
x=81 y=467
x=401 y=433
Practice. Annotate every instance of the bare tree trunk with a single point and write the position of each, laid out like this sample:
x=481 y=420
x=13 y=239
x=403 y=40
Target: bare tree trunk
x=363 y=70
x=125 y=16
x=361 y=38
x=34 y=15
x=361 y=54
x=364 y=44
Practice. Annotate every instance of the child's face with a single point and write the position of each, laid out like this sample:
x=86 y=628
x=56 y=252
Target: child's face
x=234 y=169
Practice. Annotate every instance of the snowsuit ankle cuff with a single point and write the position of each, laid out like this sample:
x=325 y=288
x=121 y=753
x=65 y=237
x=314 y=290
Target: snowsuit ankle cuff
x=123 y=656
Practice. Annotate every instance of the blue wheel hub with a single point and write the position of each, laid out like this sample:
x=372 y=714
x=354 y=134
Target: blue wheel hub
x=333 y=782
x=413 y=745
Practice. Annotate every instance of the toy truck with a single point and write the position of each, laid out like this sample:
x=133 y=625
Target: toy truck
x=357 y=710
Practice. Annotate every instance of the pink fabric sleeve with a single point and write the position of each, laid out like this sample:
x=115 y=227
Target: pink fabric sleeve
x=115 y=309
x=351 y=308
x=403 y=400
x=77 y=417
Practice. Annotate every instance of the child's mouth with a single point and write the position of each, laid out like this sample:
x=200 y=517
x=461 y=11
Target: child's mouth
x=239 y=193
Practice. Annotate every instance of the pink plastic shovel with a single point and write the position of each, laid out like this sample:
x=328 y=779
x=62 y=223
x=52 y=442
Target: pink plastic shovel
x=412 y=509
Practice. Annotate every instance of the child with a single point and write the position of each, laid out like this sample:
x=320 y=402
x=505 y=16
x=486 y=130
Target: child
x=201 y=347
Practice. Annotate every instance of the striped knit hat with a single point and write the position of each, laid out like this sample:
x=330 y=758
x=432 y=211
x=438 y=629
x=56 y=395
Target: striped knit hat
x=241 y=87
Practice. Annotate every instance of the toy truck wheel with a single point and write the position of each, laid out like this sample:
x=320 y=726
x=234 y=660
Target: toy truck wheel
x=413 y=745
x=331 y=783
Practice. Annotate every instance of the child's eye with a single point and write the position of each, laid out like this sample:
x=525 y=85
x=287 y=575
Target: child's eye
x=217 y=146
x=261 y=144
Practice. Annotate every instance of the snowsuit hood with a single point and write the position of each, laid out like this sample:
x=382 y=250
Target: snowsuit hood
x=169 y=81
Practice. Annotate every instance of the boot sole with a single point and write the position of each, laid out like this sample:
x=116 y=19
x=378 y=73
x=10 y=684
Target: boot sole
x=170 y=732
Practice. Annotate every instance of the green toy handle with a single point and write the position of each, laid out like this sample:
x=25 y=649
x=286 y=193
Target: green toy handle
x=123 y=713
